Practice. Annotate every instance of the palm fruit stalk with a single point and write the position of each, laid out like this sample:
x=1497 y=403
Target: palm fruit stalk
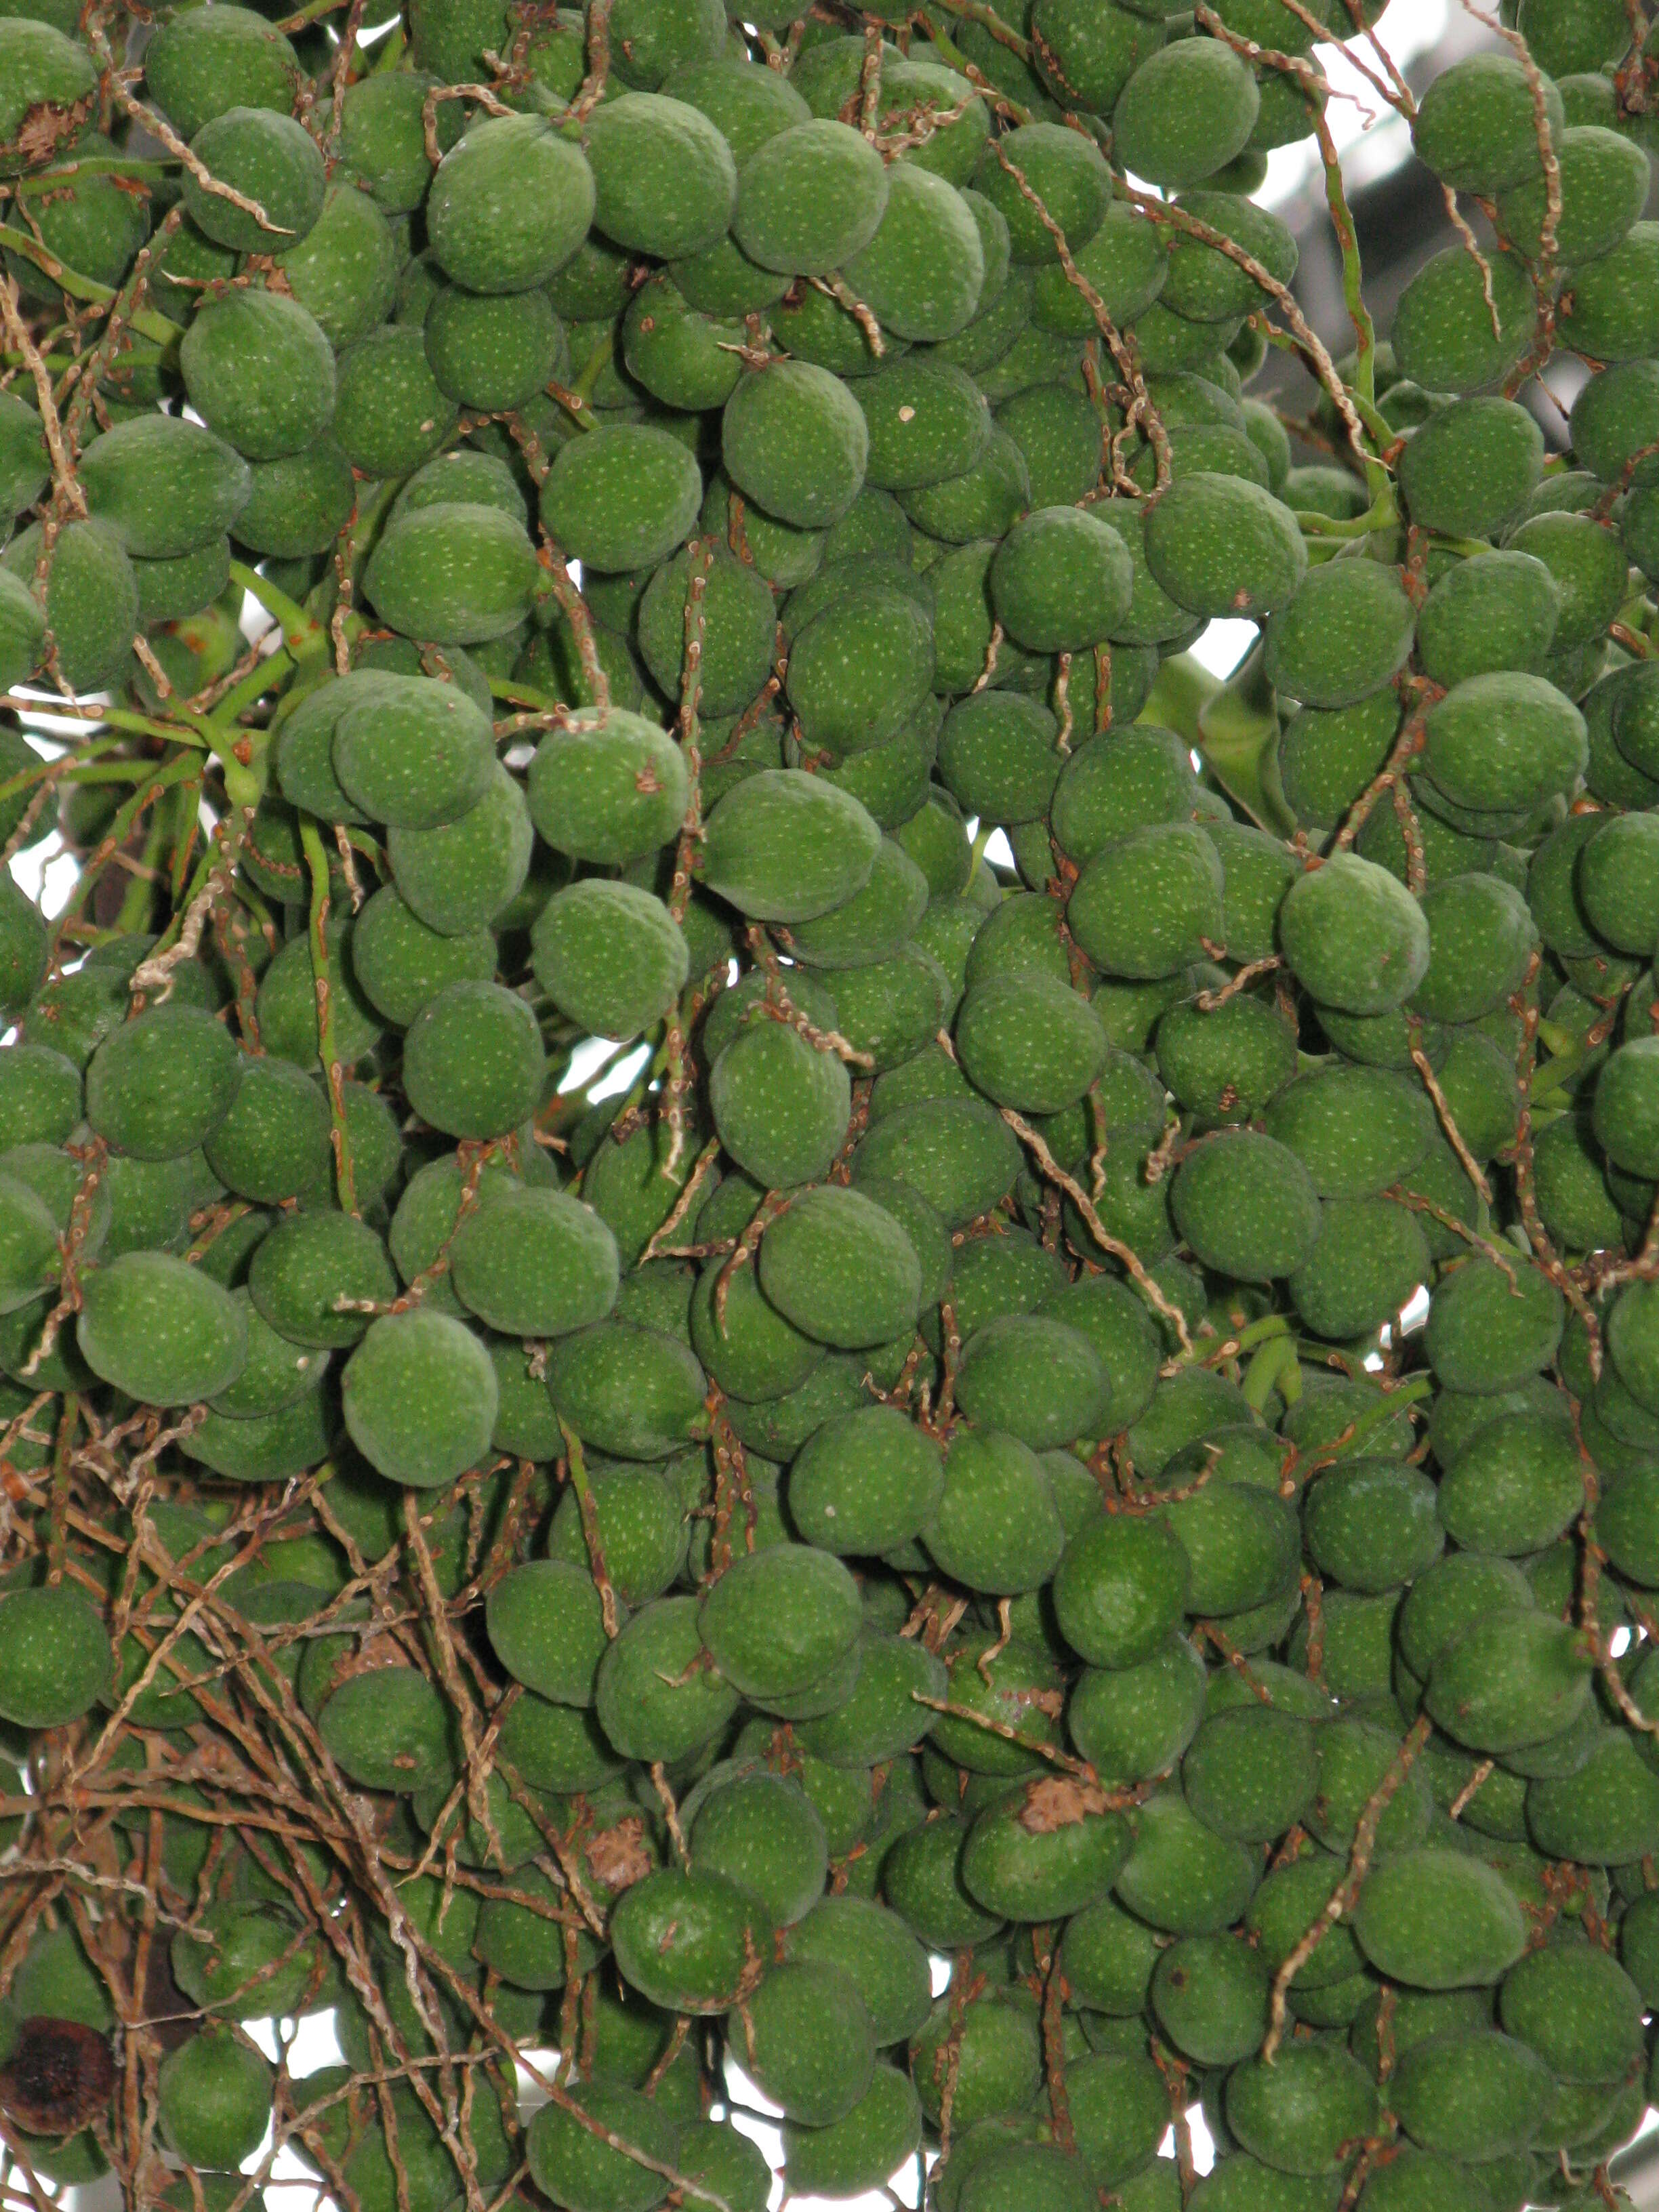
x=782 y=1332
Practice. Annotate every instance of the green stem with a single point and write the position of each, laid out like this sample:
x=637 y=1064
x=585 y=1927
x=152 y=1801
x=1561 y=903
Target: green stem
x=593 y=369
x=524 y=696
x=298 y=628
x=310 y=841
x=146 y=322
x=1264 y=1330
x=1353 y=295
x=112 y=165
x=947 y=47
x=141 y=889
x=174 y=771
x=275 y=667
x=1409 y=1394
x=1270 y=1367
x=1382 y=515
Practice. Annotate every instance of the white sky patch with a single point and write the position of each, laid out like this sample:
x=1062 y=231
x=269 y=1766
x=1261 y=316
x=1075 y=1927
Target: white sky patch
x=1371 y=139
x=1223 y=646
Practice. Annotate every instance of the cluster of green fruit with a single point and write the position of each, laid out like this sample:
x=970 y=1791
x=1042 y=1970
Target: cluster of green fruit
x=935 y=1455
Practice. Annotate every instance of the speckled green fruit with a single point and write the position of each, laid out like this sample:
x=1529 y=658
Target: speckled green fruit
x=56 y=1656
x=509 y=205
x=1486 y=1332
x=1122 y=1588
x=419 y=1396
x=794 y=440
x=628 y=1390
x=214 y=2095
x=1578 y=2009
x=1299 y=2114
x=841 y=1268
x=1438 y=1920
x=808 y=2041
x=1185 y=113
x=777 y=1621
x=164 y=1333
x=578 y=2168
x=1221 y=546
x=684 y=1940
x=1354 y=936
x=786 y=846
x=1247 y=1205
x=1443 y=336
x=612 y=957
x=996 y=1525
x=652 y=1702
x=271 y=159
x=1346 y=633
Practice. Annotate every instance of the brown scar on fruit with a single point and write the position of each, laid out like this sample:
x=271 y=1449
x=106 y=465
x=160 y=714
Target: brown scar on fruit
x=47 y=126
x=1059 y=1801
x=59 y=2076
x=618 y=1855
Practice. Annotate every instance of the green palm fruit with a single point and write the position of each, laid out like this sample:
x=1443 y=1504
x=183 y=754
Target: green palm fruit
x=1181 y=1877
x=391 y=414
x=996 y=1524
x=91 y=600
x=165 y=487
x=1176 y=911
x=1060 y=581
x=760 y=1833
x=809 y=2039
x=269 y=158
x=413 y=754
x=1297 y=2114
x=345 y=269
x=57 y=1655
x=927 y=421
x=999 y=2065
x=863 y=2147
x=1491 y=613
x=455 y=572
x=398 y=963
x=1185 y=115
x=214 y=2096
x=1219 y=545
x=1121 y=1589
x=1486 y=1334
x=317 y=1278
x=777 y=1621
x=1472 y=2096
x=1478 y=132
x=260 y=373
x=665 y=181
x=583 y=2169
x=420 y=1398
x=161 y=1331
x=809 y=197
x=1247 y=1205
x=1371 y=1525
x=512 y=163
x=1444 y=337
x=1044 y=1851
x=200 y=67
x=1287 y=1907
x=1346 y=633
x=50 y=81
x=1602 y=194
x=1247 y=1765
x=463 y=876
